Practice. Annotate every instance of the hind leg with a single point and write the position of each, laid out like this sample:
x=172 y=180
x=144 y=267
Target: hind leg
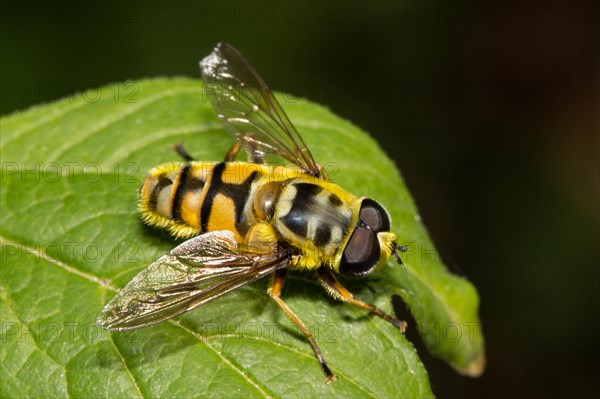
x=179 y=149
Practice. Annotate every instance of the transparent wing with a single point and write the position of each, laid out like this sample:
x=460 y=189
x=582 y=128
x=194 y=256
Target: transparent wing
x=197 y=271
x=249 y=110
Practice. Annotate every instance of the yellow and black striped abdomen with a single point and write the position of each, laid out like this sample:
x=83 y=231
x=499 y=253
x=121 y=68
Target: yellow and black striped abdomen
x=189 y=199
x=172 y=195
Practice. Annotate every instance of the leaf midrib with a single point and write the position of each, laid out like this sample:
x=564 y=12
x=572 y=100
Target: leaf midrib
x=106 y=284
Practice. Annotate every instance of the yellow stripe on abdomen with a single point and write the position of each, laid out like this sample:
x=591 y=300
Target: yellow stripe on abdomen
x=222 y=216
x=190 y=209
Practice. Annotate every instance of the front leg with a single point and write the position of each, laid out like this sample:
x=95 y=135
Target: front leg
x=275 y=293
x=335 y=288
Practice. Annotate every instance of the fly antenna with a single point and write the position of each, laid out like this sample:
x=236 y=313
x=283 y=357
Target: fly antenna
x=400 y=248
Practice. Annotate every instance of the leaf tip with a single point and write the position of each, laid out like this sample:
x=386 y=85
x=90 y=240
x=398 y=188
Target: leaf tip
x=475 y=367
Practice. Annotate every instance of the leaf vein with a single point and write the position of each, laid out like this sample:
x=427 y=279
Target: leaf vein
x=306 y=355
x=153 y=137
x=131 y=376
x=225 y=359
x=43 y=121
x=64 y=266
x=103 y=124
x=7 y=301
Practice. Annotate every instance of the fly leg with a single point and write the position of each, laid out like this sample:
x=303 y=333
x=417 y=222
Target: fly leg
x=275 y=293
x=181 y=151
x=337 y=290
x=233 y=151
x=254 y=155
x=322 y=172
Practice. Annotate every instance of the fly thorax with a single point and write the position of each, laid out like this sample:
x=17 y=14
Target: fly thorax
x=265 y=196
x=312 y=217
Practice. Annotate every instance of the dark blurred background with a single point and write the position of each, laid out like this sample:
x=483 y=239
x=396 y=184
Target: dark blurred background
x=490 y=111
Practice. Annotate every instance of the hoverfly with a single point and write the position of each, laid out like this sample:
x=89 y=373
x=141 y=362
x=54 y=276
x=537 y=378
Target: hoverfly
x=248 y=220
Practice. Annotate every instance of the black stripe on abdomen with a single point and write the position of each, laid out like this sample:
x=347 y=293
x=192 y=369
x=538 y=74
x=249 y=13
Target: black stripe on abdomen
x=162 y=182
x=187 y=183
x=237 y=192
x=179 y=193
x=213 y=187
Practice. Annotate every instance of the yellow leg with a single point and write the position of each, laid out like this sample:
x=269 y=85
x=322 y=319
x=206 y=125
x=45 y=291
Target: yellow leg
x=322 y=172
x=338 y=290
x=251 y=146
x=275 y=293
x=233 y=151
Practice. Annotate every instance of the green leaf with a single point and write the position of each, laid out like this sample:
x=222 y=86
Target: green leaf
x=71 y=236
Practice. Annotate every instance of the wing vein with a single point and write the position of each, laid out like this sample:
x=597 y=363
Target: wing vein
x=250 y=111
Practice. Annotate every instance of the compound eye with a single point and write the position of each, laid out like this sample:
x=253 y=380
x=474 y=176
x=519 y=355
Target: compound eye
x=361 y=253
x=373 y=215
